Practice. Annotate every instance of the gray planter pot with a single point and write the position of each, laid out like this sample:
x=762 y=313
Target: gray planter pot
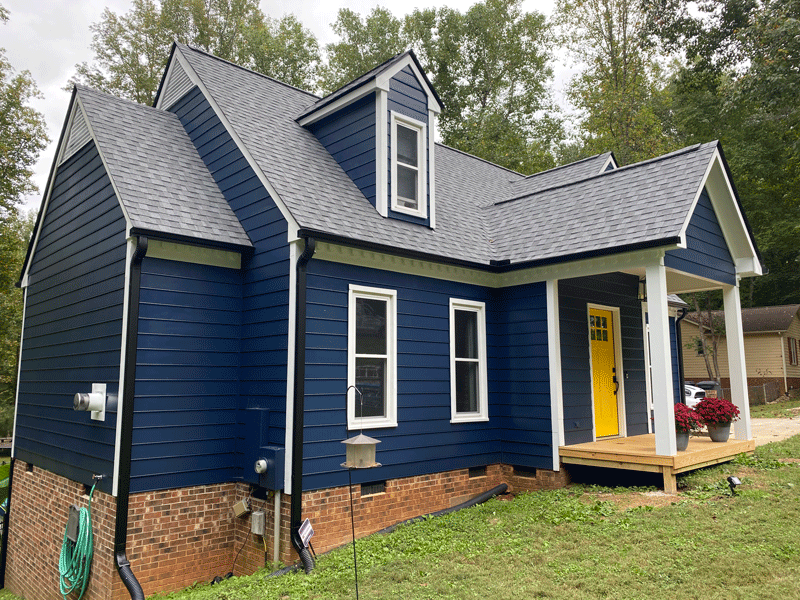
x=682 y=440
x=719 y=433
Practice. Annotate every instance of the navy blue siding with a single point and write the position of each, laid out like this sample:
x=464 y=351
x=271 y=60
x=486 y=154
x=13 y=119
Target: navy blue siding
x=519 y=374
x=73 y=324
x=187 y=389
x=349 y=136
x=615 y=290
x=707 y=252
x=425 y=441
x=407 y=97
x=265 y=286
x=676 y=374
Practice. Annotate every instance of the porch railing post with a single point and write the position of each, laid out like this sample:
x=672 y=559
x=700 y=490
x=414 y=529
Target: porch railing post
x=734 y=339
x=661 y=359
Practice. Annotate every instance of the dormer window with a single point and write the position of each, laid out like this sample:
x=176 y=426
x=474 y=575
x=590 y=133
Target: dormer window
x=409 y=194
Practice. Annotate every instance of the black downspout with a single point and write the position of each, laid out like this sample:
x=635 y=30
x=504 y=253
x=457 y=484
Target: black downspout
x=126 y=433
x=299 y=404
x=679 y=344
x=5 y=524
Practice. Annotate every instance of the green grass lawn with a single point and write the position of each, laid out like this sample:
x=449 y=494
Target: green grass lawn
x=786 y=409
x=582 y=542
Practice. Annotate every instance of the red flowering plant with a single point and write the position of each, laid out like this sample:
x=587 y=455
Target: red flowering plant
x=717 y=411
x=686 y=419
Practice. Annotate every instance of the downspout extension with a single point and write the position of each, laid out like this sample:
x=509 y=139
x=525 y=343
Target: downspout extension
x=679 y=344
x=299 y=405
x=126 y=433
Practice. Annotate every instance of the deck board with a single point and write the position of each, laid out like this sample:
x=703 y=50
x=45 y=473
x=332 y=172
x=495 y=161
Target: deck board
x=638 y=453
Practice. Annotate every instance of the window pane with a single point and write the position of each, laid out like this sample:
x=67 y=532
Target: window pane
x=370 y=326
x=371 y=380
x=406 y=145
x=407 y=186
x=466 y=334
x=466 y=386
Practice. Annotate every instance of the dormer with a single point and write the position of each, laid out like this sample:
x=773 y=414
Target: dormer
x=380 y=128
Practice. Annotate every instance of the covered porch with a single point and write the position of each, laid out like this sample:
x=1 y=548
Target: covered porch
x=638 y=453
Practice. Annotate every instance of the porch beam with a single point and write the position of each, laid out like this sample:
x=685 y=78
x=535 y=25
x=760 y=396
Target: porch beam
x=734 y=339
x=661 y=359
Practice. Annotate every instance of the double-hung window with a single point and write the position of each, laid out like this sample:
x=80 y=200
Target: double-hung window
x=372 y=362
x=792 y=351
x=468 y=374
x=408 y=166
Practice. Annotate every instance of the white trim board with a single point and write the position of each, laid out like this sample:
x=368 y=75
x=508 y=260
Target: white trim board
x=199 y=255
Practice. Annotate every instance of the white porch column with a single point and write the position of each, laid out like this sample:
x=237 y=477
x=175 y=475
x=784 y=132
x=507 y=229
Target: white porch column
x=660 y=358
x=554 y=363
x=735 y=343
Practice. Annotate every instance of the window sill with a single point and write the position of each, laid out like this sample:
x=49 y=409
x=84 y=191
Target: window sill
x=370 y=423
x=469 y=418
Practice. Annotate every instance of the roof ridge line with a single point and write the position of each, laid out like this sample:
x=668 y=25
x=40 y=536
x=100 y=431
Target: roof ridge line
x=251 y=71
x=604 y=173
x=567 y=165
x=488 y=162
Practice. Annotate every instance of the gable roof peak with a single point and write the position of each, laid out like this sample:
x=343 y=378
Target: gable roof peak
x=351 y=89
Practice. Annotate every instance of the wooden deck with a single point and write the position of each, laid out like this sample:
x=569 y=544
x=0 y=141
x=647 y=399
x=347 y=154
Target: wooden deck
x=638 y=453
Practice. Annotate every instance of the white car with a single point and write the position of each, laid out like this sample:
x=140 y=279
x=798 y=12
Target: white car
x=693 y=395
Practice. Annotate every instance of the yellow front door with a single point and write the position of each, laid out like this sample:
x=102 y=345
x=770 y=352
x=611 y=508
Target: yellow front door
x=604 y=373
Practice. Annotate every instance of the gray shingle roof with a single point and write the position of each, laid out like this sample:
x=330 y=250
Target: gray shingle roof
x=480 y=215
x=636 y=204
x=588 y=167
x=162 y=181
x=756 y=320
x=316 y=190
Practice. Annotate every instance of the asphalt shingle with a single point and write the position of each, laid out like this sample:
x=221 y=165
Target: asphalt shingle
x=162 y=182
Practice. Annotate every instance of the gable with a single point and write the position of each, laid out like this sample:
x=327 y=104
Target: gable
x=706 y=253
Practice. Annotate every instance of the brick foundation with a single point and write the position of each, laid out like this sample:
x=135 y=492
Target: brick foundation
x=180 y=536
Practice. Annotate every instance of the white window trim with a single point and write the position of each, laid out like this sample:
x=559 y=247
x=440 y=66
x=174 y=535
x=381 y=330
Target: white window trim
x=390 y=419
x=422 y=167
x=482 y=413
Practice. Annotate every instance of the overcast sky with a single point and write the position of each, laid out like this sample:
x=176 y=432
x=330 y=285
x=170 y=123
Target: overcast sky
x=49 y=37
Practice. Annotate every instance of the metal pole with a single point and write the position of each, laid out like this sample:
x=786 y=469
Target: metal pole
x=353 y=526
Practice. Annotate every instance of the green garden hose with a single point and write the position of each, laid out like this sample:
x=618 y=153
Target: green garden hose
x=75 y=561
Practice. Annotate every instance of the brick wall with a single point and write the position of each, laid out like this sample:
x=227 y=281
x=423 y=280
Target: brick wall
x=180 y=536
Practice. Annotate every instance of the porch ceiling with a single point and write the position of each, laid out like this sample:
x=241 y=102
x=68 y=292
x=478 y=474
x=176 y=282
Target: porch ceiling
x=679 y=282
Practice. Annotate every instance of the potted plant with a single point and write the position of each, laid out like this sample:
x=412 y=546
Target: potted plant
x=717 y=414
x=686 y=421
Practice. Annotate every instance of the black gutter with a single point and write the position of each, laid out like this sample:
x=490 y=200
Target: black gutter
x=5 y=525
x=494 y=266
x=126 y=432
x=191 y=241
x=299 y=394
x=679 y=343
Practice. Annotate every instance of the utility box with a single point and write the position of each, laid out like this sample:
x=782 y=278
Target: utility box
x=255 y=446
x=712 y=388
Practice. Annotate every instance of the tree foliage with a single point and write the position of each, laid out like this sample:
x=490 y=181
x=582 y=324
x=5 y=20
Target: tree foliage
x=490 y=65
x=621 y=88
x=22 y=133
x=131 y=50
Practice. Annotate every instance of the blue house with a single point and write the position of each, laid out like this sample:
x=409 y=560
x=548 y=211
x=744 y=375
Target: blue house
x=247 y=271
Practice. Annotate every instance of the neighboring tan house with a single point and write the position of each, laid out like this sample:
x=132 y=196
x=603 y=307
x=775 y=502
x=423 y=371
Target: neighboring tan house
x=771 y=346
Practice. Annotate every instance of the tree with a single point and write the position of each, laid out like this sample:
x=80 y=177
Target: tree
x=15 y=231
x=131 y=50
x=22 y=133
x=621 y=87
x=490 y=65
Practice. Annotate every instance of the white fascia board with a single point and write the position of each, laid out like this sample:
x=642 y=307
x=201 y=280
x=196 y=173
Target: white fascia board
x=609 y=161
x=730 y=218
x=382 y=153
x=383 y=79
x=290 y=220
x=411 y=266
x=356 y=94
x=77 y=112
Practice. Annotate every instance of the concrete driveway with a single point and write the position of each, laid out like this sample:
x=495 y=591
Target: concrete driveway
x=774 y=430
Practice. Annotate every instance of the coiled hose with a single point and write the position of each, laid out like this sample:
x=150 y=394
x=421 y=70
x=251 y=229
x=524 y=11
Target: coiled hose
x=75 y=561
